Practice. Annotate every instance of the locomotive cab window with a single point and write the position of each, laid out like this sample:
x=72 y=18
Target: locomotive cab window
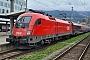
x=23 y=22
x=38 y=22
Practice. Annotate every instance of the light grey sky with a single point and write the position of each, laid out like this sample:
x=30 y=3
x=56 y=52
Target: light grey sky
x=78 y=5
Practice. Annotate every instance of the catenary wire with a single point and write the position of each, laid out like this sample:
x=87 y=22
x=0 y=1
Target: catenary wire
x=44 y=4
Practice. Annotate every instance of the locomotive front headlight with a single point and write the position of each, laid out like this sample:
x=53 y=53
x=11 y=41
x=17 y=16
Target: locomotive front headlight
x=28 y=32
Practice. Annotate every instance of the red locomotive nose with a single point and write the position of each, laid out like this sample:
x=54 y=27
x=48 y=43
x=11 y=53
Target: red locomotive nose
x=19 y=32
x=22 y=26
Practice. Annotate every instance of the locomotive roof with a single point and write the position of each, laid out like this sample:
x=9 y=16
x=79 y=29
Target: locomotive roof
x=35 y=14
x=44 y=17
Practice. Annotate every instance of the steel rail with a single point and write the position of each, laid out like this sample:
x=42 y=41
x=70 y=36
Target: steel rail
x=86 y=48
x=17 y=52
x=60 y=55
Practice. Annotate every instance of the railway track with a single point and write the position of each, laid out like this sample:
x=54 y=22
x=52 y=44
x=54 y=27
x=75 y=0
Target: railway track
x=12 y=54
x=16 y=53
x=86 y=55
x=76 y=52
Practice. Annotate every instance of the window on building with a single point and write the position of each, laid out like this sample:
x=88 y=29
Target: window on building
x=16 y=1
x=7 y=11
x=8 y=5
x=0 y=10
x=24 y=4
x=1 y=3
x=19 y=2
x=3 y=11
x=5 y=4
x=18 y=8
x=15 y=7
x=23 y=8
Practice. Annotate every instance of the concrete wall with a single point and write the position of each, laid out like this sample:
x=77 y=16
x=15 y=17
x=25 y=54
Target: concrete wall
x=6 y=47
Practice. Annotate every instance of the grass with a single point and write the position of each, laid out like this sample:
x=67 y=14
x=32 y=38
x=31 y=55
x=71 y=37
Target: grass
x=79 y=37
x=41 y=54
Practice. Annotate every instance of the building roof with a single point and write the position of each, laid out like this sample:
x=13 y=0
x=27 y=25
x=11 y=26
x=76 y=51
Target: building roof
x=4 y=20
x=12 y=14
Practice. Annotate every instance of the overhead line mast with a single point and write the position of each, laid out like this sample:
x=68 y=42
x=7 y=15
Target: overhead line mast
x=11 y=18
x=72 y=15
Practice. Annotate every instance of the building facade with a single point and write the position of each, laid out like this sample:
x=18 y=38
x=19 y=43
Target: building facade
x=18 y=5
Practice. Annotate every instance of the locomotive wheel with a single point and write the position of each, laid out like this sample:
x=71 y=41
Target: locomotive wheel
x=67 y=36
x=56 y=39
x=49 y=41
x=42 y=42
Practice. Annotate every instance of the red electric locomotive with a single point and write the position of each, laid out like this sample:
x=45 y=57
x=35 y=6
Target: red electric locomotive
x=33 y=29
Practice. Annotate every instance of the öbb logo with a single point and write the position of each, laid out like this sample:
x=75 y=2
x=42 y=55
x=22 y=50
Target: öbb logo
x=18 y=33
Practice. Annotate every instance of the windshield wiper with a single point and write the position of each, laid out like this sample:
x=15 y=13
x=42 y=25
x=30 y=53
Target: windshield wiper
x=23 y=25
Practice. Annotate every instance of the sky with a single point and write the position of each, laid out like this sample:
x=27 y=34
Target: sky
x=47 y=5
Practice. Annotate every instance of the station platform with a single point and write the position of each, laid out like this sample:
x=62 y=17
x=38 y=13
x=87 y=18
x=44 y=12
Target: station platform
x=3 y=36
x=5 y=33
x=2 y=43
x=5 y=46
